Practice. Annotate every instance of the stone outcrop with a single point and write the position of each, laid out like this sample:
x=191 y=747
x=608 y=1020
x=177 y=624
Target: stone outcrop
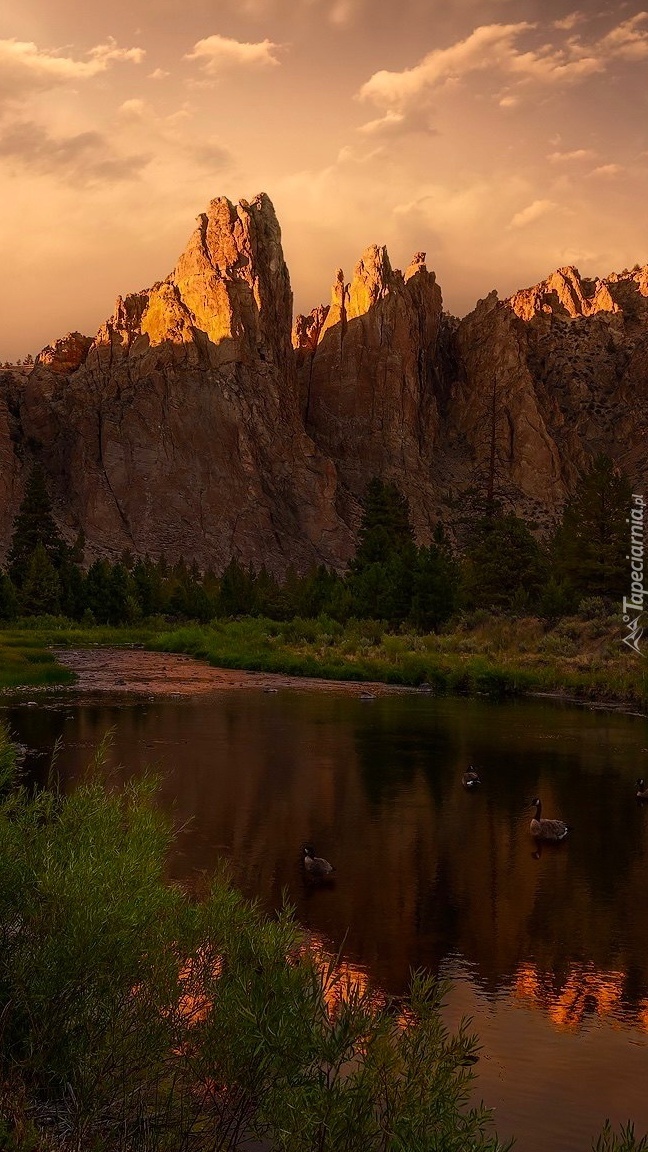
x=66 y=355
x=551 y=377
x=368 y=379
x=180 y=432
x=193 y=426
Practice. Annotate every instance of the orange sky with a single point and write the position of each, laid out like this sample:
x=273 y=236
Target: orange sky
x=504 y=138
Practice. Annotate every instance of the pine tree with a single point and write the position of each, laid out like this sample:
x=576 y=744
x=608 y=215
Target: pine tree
x=380 y=575
x=97 y=591
x=435 y=589
x=40 y=591
x=504 y=567
x=591 y=544
x=34 y=525
x=236 y=596
x=385 y=530
x=8 y=599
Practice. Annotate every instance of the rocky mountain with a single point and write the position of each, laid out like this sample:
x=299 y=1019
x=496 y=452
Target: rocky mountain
x=191 y=425
x=369 y=386
x=177 y=430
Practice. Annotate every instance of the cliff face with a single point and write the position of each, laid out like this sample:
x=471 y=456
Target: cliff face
x=179 y=432
x=190 y=425
x=551 y=377
x=368 y=377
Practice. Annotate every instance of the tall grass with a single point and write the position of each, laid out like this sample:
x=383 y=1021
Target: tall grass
x=496 y=657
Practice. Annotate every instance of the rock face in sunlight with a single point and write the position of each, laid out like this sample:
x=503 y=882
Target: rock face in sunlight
x=180 y=433
x=192 y=426
x=65 y=355
x=368 y=377
x=550 y=377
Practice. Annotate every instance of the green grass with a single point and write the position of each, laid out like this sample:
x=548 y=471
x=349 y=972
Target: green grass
x=496 y=657
x=26 y=656
x=483 y=655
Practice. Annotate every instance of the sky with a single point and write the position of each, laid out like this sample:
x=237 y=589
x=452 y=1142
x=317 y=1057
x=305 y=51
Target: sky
x=505 y=138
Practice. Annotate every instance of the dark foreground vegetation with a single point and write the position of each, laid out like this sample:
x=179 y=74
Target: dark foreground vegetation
x=134 y=1016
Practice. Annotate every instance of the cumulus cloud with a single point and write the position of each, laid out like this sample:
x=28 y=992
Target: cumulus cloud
x=531 y=213
x=26 y=68
x=217 y=54
x=83 y=159
x=502 y=50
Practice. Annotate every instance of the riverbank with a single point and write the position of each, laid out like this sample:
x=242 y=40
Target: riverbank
x=577 y=659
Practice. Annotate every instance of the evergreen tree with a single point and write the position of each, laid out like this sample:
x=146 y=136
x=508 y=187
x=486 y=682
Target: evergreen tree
x=8 y=599
x=236 y=596
x=591 y=544
x=121 y=605
x=435 y=586
x=385 y=529
x=34 y=525
x=40 y=591
x=97 y=592
x=147 y=585
x=380 y=575
x=504 y=567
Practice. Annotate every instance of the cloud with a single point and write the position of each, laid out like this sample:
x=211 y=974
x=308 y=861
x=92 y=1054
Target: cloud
x=158 y=74
x=606 y=170
x=219 y=53
x=565 y=157
x=394 y=124
x=399 y=91
x=569 y=22
x=211 y=155
x=496 y=50
x=84 y=159
x=26 y=68
x=531 y=213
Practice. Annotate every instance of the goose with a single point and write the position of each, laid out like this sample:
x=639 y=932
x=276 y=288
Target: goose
x=642 y=789
x=470 y=779
x=547 y=829
x=316 y=865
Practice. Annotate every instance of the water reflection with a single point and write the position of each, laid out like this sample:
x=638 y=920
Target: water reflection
x=545 y=944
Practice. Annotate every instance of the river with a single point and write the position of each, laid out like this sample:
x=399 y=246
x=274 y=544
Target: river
x=547 y=951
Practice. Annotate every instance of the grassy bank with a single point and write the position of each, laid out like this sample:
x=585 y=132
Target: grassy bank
x=27 y=659
x=483 y=654
x=581 y=658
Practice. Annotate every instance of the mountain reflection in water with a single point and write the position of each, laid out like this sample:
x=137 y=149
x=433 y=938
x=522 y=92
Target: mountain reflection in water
x=547 y=951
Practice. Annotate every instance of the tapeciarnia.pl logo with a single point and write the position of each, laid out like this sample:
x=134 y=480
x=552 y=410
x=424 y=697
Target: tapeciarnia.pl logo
x=633 y=606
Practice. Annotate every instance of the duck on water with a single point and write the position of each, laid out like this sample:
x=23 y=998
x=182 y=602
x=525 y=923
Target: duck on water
x=543 y=829
x=470 y=779
x=316 y=866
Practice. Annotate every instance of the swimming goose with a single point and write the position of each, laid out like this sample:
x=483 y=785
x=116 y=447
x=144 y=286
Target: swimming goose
x=642 y=789
x=547 y=829
x=316 y=865
x=470 y=779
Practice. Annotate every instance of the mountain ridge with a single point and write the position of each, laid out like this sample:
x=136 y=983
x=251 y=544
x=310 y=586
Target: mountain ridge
x=203 y=421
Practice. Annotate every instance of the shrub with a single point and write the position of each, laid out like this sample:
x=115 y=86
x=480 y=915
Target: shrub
x=135 y=1018
x=592 y=608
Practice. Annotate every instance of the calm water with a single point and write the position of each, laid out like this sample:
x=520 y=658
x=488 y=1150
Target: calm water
x=548 y=952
